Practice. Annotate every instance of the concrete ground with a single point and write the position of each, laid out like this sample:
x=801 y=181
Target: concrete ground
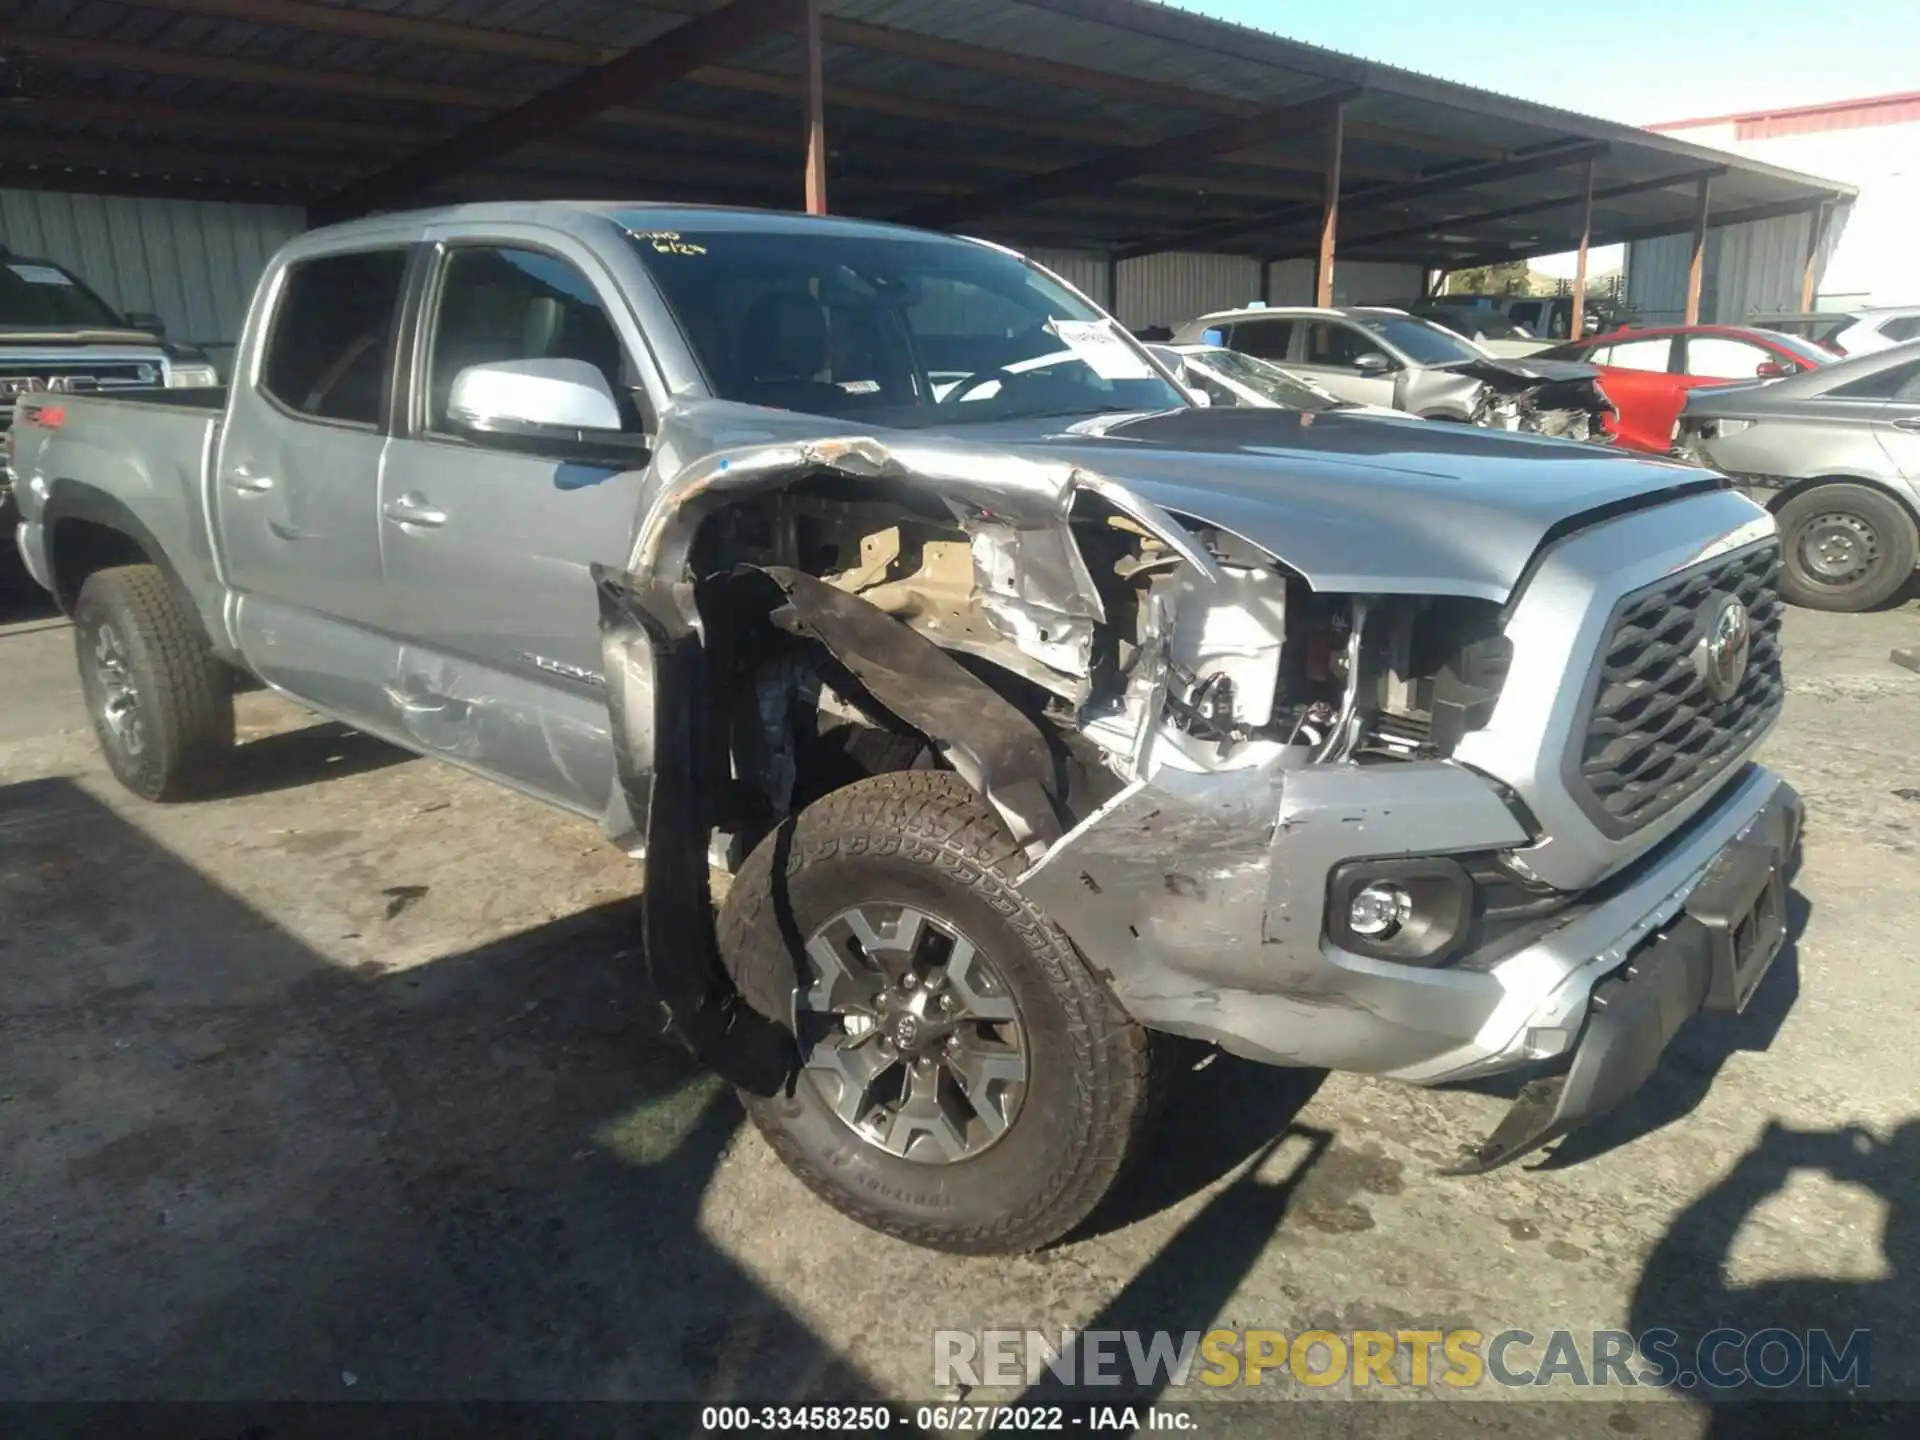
x=346 y=1087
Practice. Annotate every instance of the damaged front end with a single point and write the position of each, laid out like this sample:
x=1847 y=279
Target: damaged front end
x=1038 y=628
x=1560 y=398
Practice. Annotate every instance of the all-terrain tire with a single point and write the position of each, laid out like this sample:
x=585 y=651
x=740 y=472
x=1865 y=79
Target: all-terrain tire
x=1867 y=518
x=136 y=641
x=925 y=838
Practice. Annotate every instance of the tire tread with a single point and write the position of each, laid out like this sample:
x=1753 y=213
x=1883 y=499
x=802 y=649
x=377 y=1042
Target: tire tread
x=935 y=817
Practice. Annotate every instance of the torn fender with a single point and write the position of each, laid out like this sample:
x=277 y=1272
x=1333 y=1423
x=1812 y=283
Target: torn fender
x=988 y=742
x=656 y=689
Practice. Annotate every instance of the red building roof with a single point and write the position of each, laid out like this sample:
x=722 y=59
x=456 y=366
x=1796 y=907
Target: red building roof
x=1900 y=109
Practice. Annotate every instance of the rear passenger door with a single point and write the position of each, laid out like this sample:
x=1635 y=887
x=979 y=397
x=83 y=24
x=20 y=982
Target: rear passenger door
x=488 y=537
x=1262 y=339
x=1637 y=376
x=297 y=477
x=1329 y=355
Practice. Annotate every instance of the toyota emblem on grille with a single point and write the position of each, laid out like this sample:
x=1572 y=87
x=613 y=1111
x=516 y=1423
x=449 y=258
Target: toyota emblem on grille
x=1725 y=639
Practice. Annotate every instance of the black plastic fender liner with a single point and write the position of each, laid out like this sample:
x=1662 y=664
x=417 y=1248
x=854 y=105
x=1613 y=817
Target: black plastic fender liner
x=654 y=659
x=985 y=738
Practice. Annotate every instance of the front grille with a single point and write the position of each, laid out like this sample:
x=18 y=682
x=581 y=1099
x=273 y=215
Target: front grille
x=1657 y=730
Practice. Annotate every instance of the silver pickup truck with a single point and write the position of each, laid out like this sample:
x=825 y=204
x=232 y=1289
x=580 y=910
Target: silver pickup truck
x=1037 y=707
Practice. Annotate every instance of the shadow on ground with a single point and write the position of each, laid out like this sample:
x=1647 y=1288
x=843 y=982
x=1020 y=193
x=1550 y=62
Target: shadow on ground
x=291 y=758
x=234 y=1170
x=1800 y=1338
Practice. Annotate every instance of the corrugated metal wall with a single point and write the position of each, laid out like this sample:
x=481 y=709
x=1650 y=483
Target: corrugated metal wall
x=1746 y=268
x=1355 y=282
x=1168 y=289
x=192 y=262
x=1085 y=270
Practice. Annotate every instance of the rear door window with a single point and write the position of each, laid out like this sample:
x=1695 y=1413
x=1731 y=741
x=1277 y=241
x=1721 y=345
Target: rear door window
x=1881 y=385
x=1263 y=339
x=1654 y=354
x=1718 y=357
x=329 y=348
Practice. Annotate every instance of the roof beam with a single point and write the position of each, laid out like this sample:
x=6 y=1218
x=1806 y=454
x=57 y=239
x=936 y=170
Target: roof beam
x=1105 y=171
x=1717 y=219
x=1372 y=197
x=88 y=181
x=1654 y=230
x=406 y=29
x=221 y=166
x=1511 y=212
x=201 y=65
x=448 y=35
x=640 y=71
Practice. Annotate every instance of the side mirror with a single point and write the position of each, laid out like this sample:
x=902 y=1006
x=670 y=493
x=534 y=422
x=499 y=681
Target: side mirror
x=1771 y=370
x=148 y=321
x=558 y=400
x=1372 y=363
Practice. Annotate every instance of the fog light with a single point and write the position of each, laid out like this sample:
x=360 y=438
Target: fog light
x=1411 y=910
x=1379 y=910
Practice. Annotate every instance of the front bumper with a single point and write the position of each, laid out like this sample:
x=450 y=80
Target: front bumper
x=1202 y=898
x=1710 y=958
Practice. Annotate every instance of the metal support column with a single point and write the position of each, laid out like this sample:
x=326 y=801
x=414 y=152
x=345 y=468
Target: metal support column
x=1577 y=327
x=1705 y=195
x=816 y=113
x=1329 y=211
x=1816 y=237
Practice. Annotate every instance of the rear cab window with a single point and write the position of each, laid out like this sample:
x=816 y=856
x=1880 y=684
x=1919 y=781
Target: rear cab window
x=329 y=345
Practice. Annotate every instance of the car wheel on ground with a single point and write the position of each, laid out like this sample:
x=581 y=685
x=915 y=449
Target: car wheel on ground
x=160 y=703
x=1846 y=547
x=965 y=1082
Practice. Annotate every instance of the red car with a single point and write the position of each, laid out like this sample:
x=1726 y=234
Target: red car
x=1647 y=373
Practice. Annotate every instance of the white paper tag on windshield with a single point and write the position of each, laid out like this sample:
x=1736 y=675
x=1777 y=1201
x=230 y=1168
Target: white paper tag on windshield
x=1106 y=353
x=41 y=274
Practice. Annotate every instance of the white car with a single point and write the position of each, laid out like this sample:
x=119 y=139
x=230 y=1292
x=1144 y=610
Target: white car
x=1878 y=329
x=1229 y=377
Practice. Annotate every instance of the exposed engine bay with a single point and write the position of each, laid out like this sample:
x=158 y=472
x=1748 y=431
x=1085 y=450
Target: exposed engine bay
x=1124 y=647
x=1560 y=398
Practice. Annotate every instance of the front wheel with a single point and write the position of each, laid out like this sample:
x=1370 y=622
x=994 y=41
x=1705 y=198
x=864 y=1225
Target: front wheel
x=1846 y=547
x=965 y=1082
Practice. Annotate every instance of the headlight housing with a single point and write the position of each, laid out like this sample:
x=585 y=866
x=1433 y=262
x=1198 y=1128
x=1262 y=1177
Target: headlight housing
x=192 y=376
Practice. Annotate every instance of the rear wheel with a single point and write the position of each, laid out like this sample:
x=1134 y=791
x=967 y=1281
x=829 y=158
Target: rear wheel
x=1847 y=547
x=161 y=704
x=965 y=1082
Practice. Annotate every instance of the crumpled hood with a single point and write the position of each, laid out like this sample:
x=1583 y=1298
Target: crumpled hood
x=1356 y=503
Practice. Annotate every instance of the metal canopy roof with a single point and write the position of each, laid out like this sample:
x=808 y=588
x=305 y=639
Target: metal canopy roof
x=1115 y=125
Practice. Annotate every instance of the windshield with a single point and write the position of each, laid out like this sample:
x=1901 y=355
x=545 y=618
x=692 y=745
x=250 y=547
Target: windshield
x=901 y=330
x=37 y=296
x=1419 y=341
x=1264 y=379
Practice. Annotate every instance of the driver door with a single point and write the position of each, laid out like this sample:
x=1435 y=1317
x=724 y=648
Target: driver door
x=1329 y=355
x=487 y=538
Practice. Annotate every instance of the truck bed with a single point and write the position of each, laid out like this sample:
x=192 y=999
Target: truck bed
x=149 y=450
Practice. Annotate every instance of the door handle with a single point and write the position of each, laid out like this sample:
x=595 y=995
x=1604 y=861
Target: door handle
x=1907 y=422
x=413 y=509
x=248 y=483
